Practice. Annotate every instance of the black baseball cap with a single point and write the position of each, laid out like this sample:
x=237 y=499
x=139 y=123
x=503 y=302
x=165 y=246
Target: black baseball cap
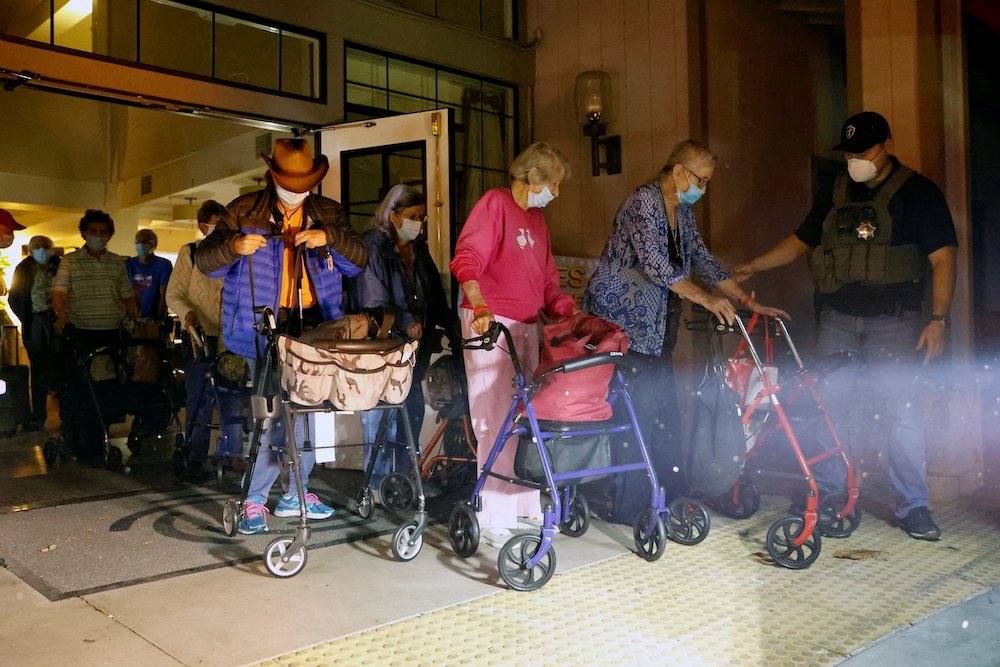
x=862 y=131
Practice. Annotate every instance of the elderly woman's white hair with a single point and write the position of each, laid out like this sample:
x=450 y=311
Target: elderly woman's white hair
x=539 y=163
x=398 y=197
x=39 y=242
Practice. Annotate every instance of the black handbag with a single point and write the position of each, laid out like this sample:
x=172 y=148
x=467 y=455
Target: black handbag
x=566 y=454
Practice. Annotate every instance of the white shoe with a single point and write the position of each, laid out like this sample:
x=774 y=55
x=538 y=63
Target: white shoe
x=529 y=522
x=495 y=537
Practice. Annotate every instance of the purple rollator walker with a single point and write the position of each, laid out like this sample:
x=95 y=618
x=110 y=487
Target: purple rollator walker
x=527 y=561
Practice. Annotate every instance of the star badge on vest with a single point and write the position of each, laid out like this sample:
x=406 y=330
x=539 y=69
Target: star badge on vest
x=866 y=231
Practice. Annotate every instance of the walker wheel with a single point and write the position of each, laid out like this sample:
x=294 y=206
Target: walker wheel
x=230 y=516
x=688 y=522
x=401 y=548
x=397 y=492
x=281 y=562
x=220 y=481
x=513 y=563
x=50 y=451
x=781 y=544
x=366 y=506
x=828 y=523
x=579 y=517
x=740 y=502
x=649 y=543
x=463 y=529
x=113 y=458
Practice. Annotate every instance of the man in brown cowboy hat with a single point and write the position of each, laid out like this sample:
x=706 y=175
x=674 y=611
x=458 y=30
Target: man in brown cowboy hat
x=298 y=246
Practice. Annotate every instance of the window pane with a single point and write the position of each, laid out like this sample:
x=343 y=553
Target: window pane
x=164 y=26
x=461 y=12
x=458 y=90
x=407 y=167
x=299 y=64
x=471 y=151
x=510 y=141
x=28 y=19
x=493 y=141
x=72 y=23
x=366 y=97
x=410 y=78
x=499 y=99
x=114 y=29
x=366 y=68
x=407 y=104
x=246 y=52
x=494 y=179
x=498 y=18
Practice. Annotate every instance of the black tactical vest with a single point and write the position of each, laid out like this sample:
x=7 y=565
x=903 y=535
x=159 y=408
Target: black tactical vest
x=857 y=241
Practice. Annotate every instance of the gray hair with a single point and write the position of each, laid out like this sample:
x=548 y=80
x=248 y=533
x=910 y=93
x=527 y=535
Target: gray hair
x=538 y=163
x=686 y=151
x=39 y=242
x=398 y=197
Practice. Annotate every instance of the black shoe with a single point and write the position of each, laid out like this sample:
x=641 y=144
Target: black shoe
x=920 y=525
x=196 y=472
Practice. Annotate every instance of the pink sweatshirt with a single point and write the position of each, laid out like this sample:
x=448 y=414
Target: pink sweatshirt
x=507 y=249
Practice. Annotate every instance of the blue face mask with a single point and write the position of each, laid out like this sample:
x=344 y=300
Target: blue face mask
x=41 y=255
x=693 y=194
x=142 y=250
x=96 y=243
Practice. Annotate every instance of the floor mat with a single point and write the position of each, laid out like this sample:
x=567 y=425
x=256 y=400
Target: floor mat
x=86 y=547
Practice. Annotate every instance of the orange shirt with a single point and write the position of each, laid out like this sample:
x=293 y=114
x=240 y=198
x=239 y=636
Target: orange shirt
x=291 y=227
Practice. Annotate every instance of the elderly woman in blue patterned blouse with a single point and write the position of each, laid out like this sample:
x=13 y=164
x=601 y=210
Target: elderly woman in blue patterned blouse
x=639 y=283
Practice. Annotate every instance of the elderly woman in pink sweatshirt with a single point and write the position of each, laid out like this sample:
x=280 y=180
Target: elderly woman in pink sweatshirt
x=503 y=261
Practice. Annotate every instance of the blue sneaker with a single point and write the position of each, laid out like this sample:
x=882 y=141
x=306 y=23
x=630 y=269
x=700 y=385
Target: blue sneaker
x=287 y=507
x=254 y=519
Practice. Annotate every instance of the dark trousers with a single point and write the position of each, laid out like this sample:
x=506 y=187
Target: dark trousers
x=42 y=346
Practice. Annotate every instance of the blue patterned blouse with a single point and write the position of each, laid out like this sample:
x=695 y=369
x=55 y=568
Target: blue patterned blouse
x=630 y=284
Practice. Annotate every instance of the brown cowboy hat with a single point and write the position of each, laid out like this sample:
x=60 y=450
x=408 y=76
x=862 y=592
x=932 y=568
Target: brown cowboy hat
x=293 y=167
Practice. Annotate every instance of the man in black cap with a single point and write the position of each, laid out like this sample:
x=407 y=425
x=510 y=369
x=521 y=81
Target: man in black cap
x=870 y=240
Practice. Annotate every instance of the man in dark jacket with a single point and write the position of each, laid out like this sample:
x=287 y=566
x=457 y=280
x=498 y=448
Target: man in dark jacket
x=297 y=246
x=31 y=301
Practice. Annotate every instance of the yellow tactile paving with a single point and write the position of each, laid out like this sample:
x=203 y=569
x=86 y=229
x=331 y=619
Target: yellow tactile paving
x=712 y=604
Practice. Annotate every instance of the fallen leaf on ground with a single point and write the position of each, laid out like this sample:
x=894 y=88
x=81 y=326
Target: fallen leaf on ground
x=858 y=554
x=48 y=548
x=763 y=557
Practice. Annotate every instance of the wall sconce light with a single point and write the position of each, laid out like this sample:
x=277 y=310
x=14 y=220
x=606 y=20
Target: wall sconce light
x=594 y=110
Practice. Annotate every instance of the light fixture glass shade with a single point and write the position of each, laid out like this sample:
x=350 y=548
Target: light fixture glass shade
x=185 y=213
x=593 y=97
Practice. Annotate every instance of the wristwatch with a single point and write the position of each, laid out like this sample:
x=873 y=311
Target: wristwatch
x=943 y=319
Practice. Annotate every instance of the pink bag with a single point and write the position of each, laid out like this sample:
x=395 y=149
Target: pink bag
x=741 y=373
x=580 y=395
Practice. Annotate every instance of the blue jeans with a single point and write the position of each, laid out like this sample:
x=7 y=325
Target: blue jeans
x=888 y=368
x=268 y=465
x=199 y=406
x=394 y=455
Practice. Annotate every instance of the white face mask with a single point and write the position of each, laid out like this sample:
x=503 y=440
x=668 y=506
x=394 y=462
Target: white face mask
x=540 y=199
x=288 y=198
x=410 y=229
x=862 y=171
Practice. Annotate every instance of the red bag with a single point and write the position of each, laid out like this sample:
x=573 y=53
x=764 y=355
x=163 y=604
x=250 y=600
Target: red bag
x=741 y=373
x=580 y=395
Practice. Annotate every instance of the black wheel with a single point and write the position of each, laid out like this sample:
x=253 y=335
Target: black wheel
x=366 y=507
x=450 y=475
x=281 y=562
x=649 y=543
x=513 y=563
x=688 y=522
x=401 y=547
x=463 y=529
x=113 y=458
x=220 y=480
x=397 y=492
x=231 y=516
x=179 y=462
x=579 y=517
x=781 y=544
x=50 y=451
x=828 y=523
x=740 y=502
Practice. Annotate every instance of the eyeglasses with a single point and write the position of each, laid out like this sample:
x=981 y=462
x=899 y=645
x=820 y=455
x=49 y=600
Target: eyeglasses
x=698 y=180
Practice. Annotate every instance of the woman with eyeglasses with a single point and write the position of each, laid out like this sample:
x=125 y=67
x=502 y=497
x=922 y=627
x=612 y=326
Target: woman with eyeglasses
x=640 y=282
x=402 y=278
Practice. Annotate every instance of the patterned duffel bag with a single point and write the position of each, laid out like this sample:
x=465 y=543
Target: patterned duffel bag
x=325 y=364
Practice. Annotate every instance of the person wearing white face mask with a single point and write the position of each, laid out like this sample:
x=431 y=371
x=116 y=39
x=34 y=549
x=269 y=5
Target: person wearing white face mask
x=871 y=238
x=31 y=300
x=298 y=246
x=401 y=278
x=642 y=278
x=503 y=261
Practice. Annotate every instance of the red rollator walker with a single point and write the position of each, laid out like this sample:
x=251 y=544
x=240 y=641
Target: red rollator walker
x=769 y=408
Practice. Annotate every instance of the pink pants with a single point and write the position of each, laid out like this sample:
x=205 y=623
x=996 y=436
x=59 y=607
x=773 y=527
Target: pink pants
x=490 y=390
